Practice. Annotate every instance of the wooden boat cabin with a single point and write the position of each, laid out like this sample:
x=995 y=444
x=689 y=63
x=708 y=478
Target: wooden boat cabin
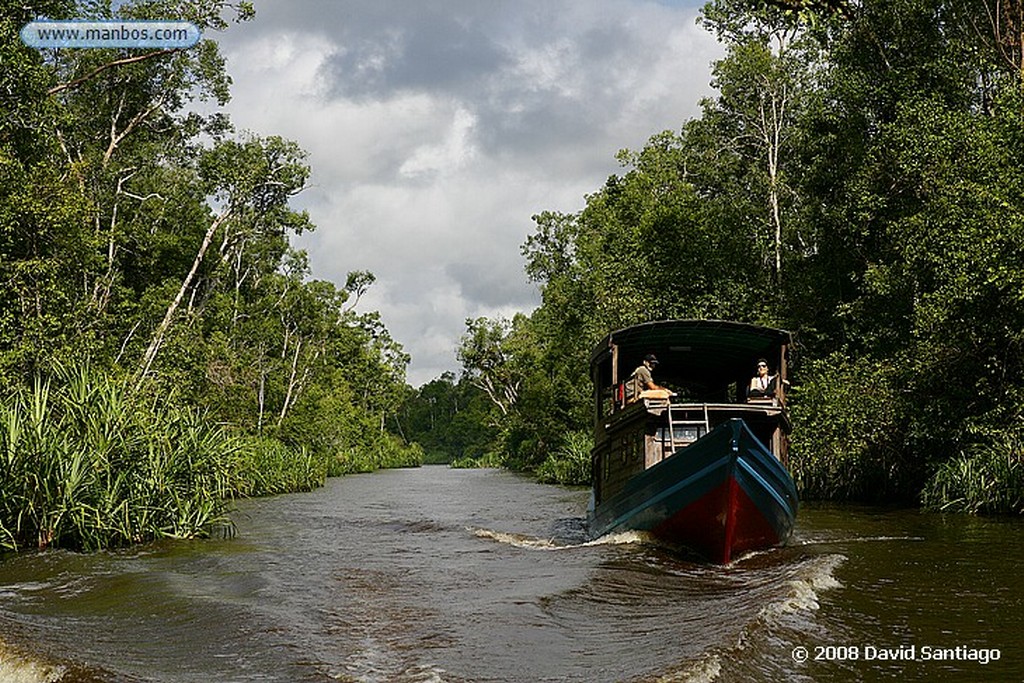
x=708 y=366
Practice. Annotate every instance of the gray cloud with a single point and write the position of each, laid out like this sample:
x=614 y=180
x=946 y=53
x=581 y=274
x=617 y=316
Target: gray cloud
x=435 y=129
x=436 y=54
x=492 y=284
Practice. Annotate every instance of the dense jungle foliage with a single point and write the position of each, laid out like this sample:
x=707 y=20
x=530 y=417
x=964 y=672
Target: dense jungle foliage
x=162 y=346
x=857 y=180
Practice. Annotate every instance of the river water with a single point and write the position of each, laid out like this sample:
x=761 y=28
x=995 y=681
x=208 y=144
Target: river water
x=435 y=574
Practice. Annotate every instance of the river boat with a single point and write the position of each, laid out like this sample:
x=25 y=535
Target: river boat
x=705 y=466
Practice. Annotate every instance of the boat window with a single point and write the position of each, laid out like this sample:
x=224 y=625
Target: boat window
x=681 y=434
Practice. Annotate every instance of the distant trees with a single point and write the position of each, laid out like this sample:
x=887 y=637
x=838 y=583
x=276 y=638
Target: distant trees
x=450 y=419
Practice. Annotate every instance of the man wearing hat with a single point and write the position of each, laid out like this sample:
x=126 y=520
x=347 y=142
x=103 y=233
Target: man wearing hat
x=641 y=380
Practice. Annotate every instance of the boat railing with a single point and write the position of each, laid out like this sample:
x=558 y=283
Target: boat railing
x=685 y=422
x=679 y=402
x=619 y=397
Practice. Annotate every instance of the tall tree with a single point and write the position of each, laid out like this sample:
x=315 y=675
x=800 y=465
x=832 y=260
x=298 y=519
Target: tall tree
x=763 y=82
x=252 y=181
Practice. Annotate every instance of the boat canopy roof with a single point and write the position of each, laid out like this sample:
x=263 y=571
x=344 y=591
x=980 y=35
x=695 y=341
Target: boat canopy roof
x=705 y=350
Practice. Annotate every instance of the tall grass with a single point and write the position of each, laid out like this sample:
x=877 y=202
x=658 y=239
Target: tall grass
x=569 y=464
x=386 y=452
x=263 y=466
x=989 y=478
x=85 y=463
x=492 y=459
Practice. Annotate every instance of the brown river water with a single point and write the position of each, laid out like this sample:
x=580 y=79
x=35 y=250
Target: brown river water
x=441 y=575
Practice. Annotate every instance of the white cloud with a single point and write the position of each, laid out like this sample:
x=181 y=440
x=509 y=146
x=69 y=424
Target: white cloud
x=453 y=153
x=436 y=130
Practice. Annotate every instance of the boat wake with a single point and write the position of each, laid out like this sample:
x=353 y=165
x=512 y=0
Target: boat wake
x=17 y=667
x=857 y=539
x=804 y=588
x=790 y=597
x=537 y=543
x=704 y=670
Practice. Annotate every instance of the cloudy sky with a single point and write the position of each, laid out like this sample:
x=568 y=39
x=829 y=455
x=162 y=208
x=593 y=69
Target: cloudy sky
x=437 y=128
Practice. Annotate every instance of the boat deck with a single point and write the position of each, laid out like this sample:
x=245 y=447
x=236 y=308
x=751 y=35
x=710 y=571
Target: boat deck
x=650 y=430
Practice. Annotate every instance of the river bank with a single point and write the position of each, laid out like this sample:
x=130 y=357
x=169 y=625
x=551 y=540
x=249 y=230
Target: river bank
x=93 y=461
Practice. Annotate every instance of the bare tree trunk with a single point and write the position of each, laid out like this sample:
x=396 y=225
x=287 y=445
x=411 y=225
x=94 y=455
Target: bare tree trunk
x=109 y=65
x=401 y=432
x=261 y=396
x=124 y=344
x=772 y=113
x=295 y=387
x=507 y=399
x=291 y=382
x=165 y=324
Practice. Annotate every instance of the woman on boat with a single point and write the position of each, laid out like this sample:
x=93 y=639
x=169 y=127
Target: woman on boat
x=762 y=385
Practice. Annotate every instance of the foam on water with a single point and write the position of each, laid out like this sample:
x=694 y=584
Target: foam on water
x=536 y=543
x=859 y=539
x=704 y=670
x=16 y=667
x=361 y=668
x=791 y=595
x=805 y=587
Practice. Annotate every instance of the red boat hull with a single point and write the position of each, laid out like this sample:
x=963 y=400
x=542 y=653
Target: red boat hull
x=722 y=496
x=723 y=524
